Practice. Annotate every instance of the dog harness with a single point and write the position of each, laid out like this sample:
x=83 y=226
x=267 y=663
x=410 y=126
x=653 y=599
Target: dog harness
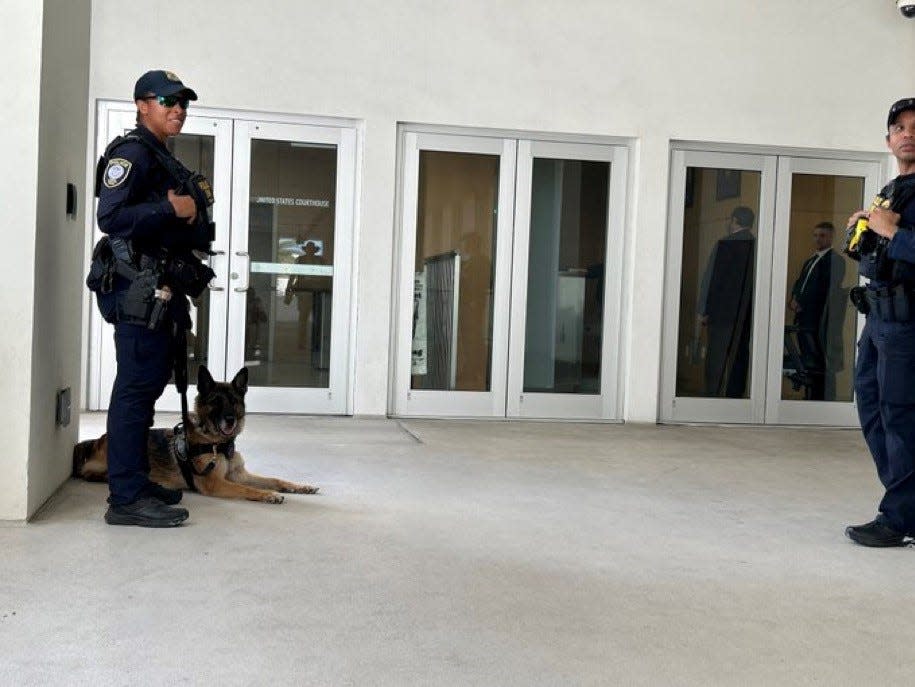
x=186 y=451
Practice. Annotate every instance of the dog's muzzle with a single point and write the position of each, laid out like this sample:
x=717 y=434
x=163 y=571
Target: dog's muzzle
x=227 y=426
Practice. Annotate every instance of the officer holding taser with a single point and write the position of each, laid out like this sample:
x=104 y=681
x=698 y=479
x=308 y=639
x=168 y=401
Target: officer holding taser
x=143 y=271
x=885 y=370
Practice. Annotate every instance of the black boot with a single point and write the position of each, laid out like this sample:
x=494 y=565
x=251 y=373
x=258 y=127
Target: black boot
x=146 y=512
x=876 y=533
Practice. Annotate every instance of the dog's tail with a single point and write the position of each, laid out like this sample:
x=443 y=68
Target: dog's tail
x=82 y=452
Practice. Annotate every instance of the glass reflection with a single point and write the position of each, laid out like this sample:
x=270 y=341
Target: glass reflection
x=819 y=319
x=454 y=272
x=568 y=233
x=291 y=218
x=717 y=283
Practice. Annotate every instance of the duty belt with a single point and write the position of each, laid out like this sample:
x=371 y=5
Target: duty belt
x=892 y=303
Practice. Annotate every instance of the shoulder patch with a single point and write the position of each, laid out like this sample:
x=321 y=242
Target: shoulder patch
x=116 y=172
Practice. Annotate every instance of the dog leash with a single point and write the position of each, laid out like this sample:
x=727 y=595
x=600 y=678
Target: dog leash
x=182 y=445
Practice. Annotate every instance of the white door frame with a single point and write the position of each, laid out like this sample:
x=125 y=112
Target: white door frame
x=409 y=402
x=727 y=410
x=334 y=398
x=780 y=411
x=606 y=404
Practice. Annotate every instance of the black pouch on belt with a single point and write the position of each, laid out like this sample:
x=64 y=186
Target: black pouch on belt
x=858 y=297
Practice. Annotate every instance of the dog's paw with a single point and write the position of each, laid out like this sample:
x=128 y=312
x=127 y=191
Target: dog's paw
x=303 y=489
x=274 y=498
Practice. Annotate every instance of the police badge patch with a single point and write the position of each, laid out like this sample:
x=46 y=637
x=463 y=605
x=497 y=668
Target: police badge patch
x=116 y=172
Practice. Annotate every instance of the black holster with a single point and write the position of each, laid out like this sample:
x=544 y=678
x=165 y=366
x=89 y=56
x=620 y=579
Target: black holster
x=139 y=304
x=188 y=275
x=858 y=299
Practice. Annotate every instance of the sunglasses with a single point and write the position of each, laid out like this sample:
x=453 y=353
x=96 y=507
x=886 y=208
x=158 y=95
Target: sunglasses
x=170 y=100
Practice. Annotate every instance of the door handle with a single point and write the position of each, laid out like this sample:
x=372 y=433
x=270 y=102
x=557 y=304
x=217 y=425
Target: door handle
x=213 y=254
x=242 y=289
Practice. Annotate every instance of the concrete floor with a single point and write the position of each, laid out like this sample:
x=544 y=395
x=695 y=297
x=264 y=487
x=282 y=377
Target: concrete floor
x=473 y=553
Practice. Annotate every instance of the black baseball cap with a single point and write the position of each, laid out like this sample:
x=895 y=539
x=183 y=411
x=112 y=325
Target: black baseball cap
x=899 y=106
x=161 y=82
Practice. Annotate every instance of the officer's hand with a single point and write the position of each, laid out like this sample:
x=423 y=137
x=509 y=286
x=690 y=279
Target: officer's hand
x=853 y=220
x=883 y=221
x=703 y=320
x=793 y=305
x=184 y=206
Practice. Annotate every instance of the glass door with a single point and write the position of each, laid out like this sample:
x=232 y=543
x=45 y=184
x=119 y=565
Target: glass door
x=758 y=325
x=717 y=300
x=289 y=265
x=569 y=213
x=814 y=327
x=452 y=332
x=510 y=290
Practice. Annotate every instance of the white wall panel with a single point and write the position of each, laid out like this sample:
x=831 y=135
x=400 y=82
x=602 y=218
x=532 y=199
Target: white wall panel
x=59 y=277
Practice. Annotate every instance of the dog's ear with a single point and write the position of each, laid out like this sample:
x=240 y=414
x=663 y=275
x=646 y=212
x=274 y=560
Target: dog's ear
x=240 y=381
x=204 y=380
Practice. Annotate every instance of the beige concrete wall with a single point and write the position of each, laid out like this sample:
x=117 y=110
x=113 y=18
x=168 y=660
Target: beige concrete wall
x=59 y=241
x=779 y=73
x=20 y=36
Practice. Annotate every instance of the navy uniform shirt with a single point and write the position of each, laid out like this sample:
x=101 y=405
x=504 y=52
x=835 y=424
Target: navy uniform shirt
x=133 y=203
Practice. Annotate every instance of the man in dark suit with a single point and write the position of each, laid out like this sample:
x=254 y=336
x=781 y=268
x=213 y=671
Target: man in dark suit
x=818 y=305
x=726 y=307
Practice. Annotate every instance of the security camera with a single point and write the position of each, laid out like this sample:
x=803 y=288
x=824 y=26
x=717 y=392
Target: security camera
x=907 y=7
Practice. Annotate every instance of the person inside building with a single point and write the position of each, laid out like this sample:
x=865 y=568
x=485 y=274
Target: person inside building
x=726 y=307
x=310 y=291
x=818 y=304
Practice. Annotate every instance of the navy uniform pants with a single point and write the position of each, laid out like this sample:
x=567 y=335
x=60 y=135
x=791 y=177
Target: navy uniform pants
x=145 y=360
x=885 y=389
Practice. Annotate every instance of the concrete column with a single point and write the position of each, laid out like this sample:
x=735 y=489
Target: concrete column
x=45 y=76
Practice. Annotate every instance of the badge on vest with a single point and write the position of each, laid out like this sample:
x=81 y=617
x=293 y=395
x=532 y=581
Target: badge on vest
x=116 y=172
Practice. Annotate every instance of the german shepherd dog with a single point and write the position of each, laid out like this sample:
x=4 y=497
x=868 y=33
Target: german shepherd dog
x=218 y=418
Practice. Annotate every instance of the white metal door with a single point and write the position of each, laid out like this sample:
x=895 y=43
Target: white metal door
x=801 y=361
x=455 y=271
x=811 y=375
x=706 y=188
x=289 y=265
x=566 y=283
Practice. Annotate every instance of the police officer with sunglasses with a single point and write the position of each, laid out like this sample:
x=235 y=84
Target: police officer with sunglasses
x=143 y=212
x=885 y=366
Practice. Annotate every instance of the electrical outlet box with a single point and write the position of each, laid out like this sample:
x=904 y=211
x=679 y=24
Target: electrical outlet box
x=71 y=201
x=63 y=407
